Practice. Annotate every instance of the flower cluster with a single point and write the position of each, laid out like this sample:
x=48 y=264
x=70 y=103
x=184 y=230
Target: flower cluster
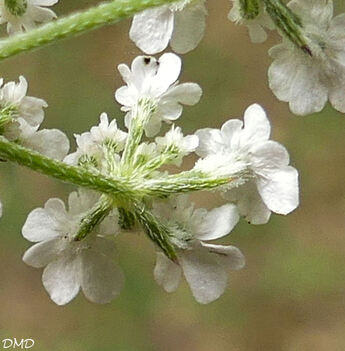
x=20 y=119
x=252 y=173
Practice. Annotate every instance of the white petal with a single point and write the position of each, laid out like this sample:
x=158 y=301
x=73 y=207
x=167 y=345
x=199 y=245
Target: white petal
x=153 y=127
x=249 y=203
x=169 y=110
x=297 y=81
x=61 y=279
x=50 y=142
x=31 y=109
x=101 y=278
x=168 y=71
x=41 y=14
x=313 y=11
x=45 y=223
x=186 y=94
x=268 y=155
x=229 y=256
x=256 y=125
x=81 y=201
x=44 y=2
x=231 y=131
x=257 y=33
x=218 y=222
x=189 y=27
x=205 y=276
x=126 y=96
x=279 y=189
x=39 y=255
x=210 y=142
x=151 y=30
x=167 y=273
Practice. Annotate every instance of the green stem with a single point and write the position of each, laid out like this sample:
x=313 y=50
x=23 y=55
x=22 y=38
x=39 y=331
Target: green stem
x=77 y=175
x=184 y=182
x=155 y=230
x=288 y=22
x=94 y=217
x=124 y=188
x=141 y=114
x=71 y=25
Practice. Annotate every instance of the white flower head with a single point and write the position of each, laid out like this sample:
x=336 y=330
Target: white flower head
x=87 y=151
x=13 y=96
x=90 y=144
x=49 y=142
x=175 y=143
x=24 y=14
x=108 y=133
x=156 y=80
x=308 y=80
x=256 y=26
x=271 y=185
x=182 y=24
x=73 y=265
x=204 y=265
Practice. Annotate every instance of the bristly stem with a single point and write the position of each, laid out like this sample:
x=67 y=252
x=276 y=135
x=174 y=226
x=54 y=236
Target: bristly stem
x=288 y=23
x=74 y=24
x=122 y=187
x=72 y=174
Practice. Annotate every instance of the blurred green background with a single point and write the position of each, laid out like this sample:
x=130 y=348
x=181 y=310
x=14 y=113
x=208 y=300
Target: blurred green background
x=291 y=294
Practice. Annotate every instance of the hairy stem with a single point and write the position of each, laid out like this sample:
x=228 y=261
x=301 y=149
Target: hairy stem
x=288 y=22
x=155 y=230
x=94 y=217
x=124 y=188
x=77 y=175
x=74 y=24
x=140 y=115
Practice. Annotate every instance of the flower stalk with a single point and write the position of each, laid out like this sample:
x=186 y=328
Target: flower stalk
x=94 y=217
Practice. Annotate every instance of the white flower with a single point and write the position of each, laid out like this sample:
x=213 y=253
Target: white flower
x=49 y=142
x=182 y=23
x=271 y=184
x=204 y=266
x=107 y=132
x=156 y=80
x=256 y=26
x=174 y=142
x=71 y=265
x=90 y=144
x=13 y=96
x=26 y=14
x=308 y=81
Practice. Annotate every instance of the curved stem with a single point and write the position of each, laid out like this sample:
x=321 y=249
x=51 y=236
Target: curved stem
x=71 y=25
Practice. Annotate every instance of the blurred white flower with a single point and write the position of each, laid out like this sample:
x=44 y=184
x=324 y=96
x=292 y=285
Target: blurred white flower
x=256 y=26
x=182 y=24
x=23 y=15
x=156 y=80
x=70 y=265
x=13 y=97
x=204 y=266
x=305 y=80
x=272 y=185
x=178 y=145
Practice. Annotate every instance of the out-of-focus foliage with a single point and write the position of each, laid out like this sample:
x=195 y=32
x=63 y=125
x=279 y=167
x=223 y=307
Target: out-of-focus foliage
x=290 y=296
